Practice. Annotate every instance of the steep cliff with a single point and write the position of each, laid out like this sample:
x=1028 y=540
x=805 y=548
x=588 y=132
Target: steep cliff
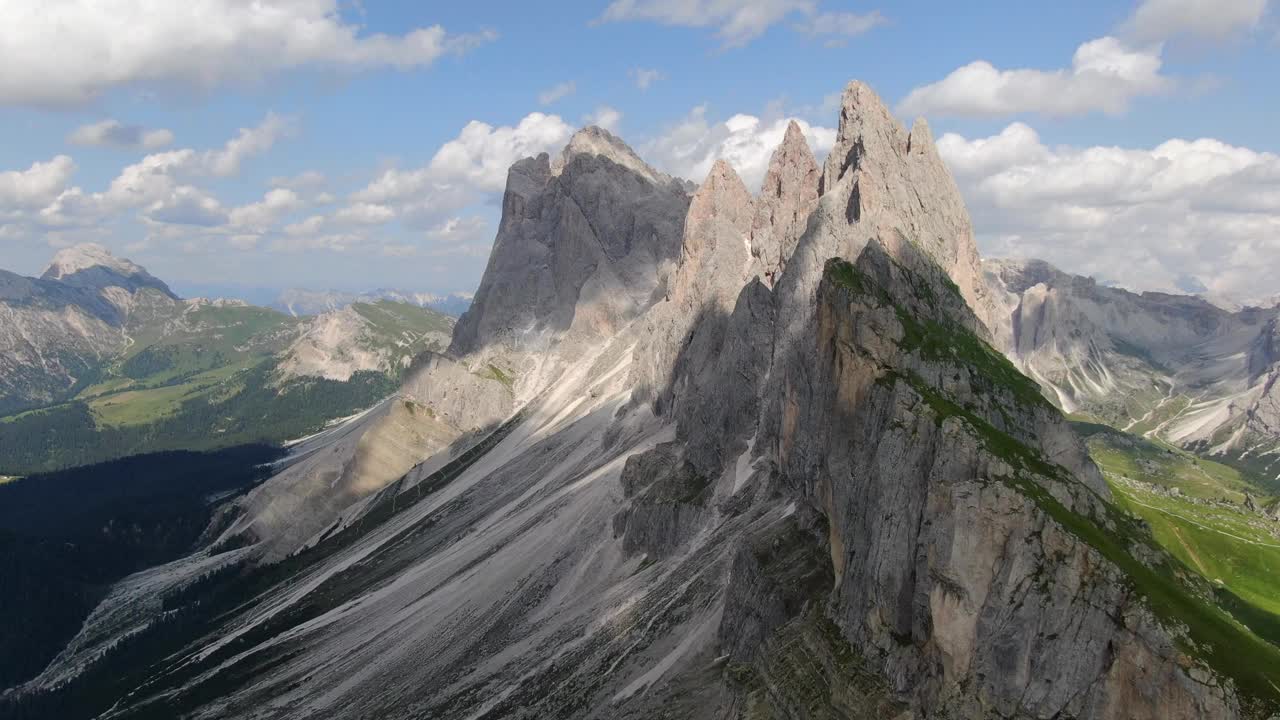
x=733 y=480
x=1168 y=366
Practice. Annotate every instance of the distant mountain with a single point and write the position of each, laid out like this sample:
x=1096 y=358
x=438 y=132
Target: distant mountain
x=1174 y=367
x=298 y=302
x=104 y=357
x=726 y=454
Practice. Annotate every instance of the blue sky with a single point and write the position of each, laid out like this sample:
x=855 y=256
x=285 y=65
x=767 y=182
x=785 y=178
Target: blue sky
x=1135 y=142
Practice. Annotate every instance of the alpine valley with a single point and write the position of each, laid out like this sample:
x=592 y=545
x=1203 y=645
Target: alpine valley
x=99 y=359
x=691 y=452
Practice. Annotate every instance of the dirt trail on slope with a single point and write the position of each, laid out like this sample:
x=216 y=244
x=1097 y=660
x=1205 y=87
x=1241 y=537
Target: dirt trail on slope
x=1190 y=550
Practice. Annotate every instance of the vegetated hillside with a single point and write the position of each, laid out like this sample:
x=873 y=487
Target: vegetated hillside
x=692 y=452
x=204 y=374
x=66 y=537
x=247 y=406
x=1170 y=367
x=1208 y=515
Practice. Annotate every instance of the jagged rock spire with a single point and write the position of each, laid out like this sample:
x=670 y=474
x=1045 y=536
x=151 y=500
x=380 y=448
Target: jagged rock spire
x=580 y=250
x=787 y=197
x=594 y=140
x=714 y=257
x=881 y=182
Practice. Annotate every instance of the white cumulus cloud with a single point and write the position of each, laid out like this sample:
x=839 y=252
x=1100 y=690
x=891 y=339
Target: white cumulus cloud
x=1156 y=20
x=113 y=132
x=265 y=213
x=159 y=186
x=365 y=214
x=186 y=205
x=249 y=142
x=37 y=186
x=69 y=52
x=1105 y=76
x=689 y=148
x=1156 y=218
x=474 y=162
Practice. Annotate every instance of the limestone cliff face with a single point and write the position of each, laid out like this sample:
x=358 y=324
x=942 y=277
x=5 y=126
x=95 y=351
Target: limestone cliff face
x=881 y=181
x=715 y=260
x=778 y=485
x=787 y=198
x=706 y=349
x=952 y=573
x=1176 y=367
x=581 y=248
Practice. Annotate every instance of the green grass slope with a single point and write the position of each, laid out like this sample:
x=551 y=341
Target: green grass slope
x=207 y=376
x=1197 y=511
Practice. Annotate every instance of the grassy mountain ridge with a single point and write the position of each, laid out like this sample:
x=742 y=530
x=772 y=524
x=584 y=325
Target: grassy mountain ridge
x=1209 y=515
x=204 y=375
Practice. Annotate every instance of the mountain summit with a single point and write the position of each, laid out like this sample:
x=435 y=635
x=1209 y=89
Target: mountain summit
x=90 y=265
x=718 y=455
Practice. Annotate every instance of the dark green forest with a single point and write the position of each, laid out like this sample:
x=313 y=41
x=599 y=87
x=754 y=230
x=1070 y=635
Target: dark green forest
x=261 y=411
x=65 y=537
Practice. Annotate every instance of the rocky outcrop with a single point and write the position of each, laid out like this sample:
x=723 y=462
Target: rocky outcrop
x=958 y=569
x=668 y=501
x=325 y=480
x=580 y=250
x=820 y=493
x=1176 y=367
x=469 y=399
x=787 y=198
x=339 y=343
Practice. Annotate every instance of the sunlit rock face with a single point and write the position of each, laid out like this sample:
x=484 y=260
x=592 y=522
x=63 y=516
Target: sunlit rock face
x=1174 y=367
x=717 y=455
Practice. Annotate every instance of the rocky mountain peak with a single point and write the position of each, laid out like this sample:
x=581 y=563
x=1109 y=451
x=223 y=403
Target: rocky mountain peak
x=723 y=193
x=877 y=186
x=596 y=141
x=920 y=141
x=71 y=260
x=583 y=244
x=93 y=267
x=787 y=198
x=867 y=129
x=715 y=255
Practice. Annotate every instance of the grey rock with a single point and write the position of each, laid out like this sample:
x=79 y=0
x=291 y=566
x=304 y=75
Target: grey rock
x=825 y=498
x=935 y=553
x=580 y=251
x=1129 y=358
x=787 y=198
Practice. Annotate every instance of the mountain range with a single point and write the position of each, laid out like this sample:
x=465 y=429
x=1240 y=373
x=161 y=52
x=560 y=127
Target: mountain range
x=296 y=301
x=96 y=343
x=699 y=452
x=1173 y=367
